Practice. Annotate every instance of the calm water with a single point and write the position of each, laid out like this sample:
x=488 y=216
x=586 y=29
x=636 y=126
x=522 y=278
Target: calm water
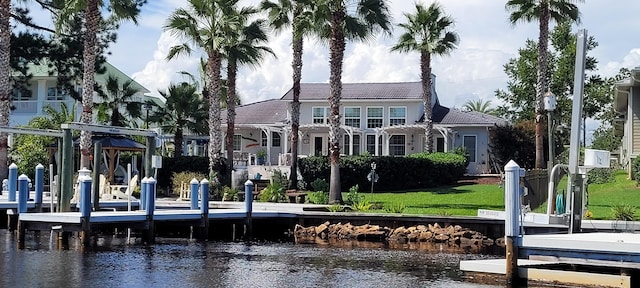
x=185 y=263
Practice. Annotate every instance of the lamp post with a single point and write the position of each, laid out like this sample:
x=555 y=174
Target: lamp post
x=550 y=105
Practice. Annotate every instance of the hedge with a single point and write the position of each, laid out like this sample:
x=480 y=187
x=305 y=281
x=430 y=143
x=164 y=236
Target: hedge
x=394 y=173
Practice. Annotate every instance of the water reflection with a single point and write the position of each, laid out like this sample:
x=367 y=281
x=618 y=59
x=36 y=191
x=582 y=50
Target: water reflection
x=185 y=263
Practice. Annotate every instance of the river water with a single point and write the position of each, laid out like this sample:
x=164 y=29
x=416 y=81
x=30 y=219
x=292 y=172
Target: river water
x=188 y=263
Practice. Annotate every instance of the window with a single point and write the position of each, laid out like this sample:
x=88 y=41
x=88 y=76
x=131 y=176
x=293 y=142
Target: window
x=397 y=116
x=18 y=94
x=469 y=142
x=237 y=142
x=374 y=117
x=356 y=145
x=263 y=139
x=371 y=145
x=397 y=145
x=52 y=94
x=352 y=116
x=320 y=115
x=275 y=139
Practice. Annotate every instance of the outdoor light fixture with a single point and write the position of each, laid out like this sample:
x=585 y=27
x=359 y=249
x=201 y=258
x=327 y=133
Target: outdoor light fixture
x=549 y=106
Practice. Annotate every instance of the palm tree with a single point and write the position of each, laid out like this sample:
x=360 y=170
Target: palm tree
x=298 y=15
x=184 y=110
x=120 y=10
x=5 y=87
x=427 y=31
x=205 y=24
x=542 y=11
x=115 y=96
x=479 y=106
x=244 y=49
x=339 y=20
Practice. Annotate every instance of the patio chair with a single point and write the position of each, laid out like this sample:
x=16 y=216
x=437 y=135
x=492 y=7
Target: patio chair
x=120 y=192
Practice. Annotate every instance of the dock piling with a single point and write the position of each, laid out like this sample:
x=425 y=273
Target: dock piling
x=248 y=199
x=39 y=186
x=204 y=209
x=13 y=179
x=148 y=193
x=194 y=193
x=85 y=209
x=513 y=172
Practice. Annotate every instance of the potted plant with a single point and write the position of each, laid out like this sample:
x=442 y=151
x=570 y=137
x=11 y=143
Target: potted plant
x=260 y=156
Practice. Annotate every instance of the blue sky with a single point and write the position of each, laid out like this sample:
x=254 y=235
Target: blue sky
x=473 y=71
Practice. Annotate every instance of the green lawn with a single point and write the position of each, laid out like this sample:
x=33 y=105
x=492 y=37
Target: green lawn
x=461 y=200
x=465 y=200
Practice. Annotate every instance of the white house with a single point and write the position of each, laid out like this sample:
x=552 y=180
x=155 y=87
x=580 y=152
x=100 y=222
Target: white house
x=377 y=118
x=42 y=91
x=627 y=103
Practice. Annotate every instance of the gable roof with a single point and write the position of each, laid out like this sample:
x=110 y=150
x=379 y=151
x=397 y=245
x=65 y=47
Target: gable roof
x=264 y=112
x=360 y=91
x=452 y=116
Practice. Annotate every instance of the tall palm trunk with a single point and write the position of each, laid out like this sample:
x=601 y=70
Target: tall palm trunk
x=295 y=104
x=5 y=88
x=425 y=69
x=232 y=69
x=214 y=62
x=89 y=59
x=178 y=138
x=336 y=51
x=541 y=87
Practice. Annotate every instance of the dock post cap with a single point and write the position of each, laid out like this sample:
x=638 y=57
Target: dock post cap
x=194 y=181
x=248 y=183
x=39 y=166
x=13 y=166
x=151 y=180
x=23 y=177
x=204 y=181
x=85 y=170
x=145 y=180
x=512 y=166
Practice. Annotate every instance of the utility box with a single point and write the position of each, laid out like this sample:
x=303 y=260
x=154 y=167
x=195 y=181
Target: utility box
x=597 y=158
x=156 y=161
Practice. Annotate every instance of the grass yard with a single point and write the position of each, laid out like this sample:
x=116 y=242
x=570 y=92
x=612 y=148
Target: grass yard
x=465 y=200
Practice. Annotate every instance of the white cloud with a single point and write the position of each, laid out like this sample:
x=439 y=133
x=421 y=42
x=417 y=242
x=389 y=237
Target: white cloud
x=159 y=73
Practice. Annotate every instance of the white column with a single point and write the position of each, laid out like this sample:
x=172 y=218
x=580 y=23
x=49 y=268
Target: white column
x=41 y=97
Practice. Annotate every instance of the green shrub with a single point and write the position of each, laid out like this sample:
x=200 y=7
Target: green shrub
x=320 y=185
x=353 y=196
x=361 y=206
x=229 y=193
x=394 y=207
x=624 y=212
x=274 y=192
x=335 y=208
x=279 y=177
x=601 y=176
x=395 y=173
x=184 y=177
x=635 y=169
x=198 y=164
x=318 y=197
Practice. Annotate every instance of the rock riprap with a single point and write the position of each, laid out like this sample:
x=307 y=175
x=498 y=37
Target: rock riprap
x=453 y=235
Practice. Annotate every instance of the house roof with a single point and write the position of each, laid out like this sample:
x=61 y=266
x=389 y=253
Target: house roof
x=264 y=112
x=453 y=116
x=357 y=91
